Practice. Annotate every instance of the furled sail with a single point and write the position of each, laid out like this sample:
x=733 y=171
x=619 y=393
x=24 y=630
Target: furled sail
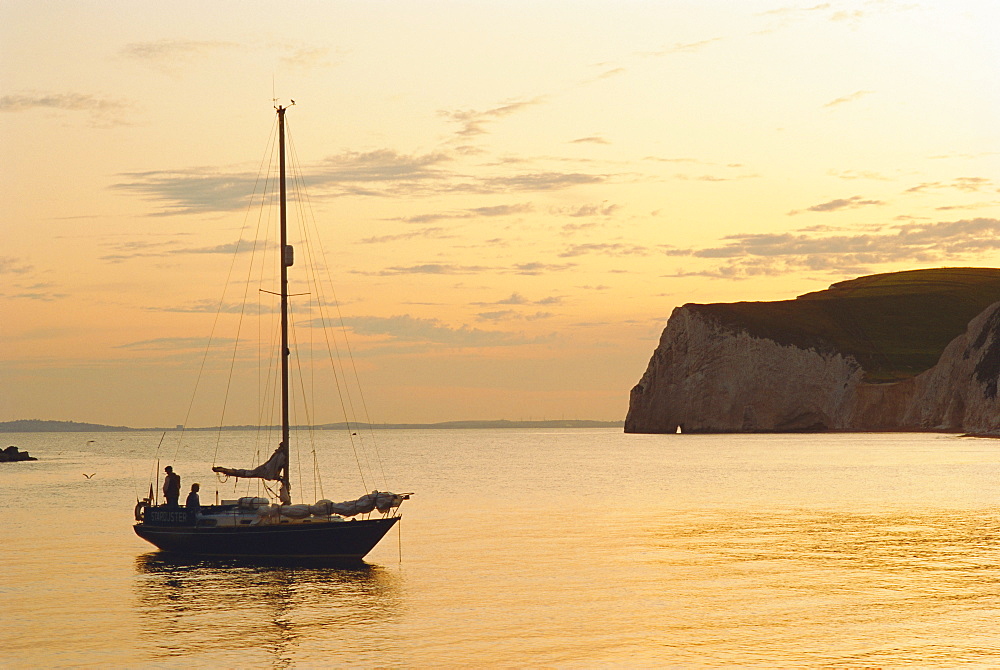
x=271 y=469
x=383 y=501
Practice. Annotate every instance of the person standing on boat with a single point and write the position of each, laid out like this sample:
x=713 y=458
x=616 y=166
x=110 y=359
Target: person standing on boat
x=171 y=486
x=193 y=502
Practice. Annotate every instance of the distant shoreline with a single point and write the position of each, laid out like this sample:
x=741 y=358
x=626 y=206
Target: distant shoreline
x=40 y=426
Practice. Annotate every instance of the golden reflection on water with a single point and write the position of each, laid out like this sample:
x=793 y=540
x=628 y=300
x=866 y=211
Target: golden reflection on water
x=830 y=586
x=209 y=608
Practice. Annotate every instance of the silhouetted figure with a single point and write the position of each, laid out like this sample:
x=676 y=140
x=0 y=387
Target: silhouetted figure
x=193 y=503
x=171 y=486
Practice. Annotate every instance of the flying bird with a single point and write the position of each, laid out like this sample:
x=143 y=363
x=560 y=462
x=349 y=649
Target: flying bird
x=88 y=476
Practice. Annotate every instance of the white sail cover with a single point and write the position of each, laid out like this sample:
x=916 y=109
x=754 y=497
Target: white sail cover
x=268 y=470
x=383 y=501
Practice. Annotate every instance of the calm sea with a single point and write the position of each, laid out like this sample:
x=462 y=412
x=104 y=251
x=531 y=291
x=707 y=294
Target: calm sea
x=533 y=548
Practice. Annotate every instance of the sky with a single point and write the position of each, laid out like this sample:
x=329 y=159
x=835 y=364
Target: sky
x=513 y=195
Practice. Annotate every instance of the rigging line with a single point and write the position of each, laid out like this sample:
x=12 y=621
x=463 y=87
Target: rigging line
x=258 y=251
x=265 y=373
x=294 y=346
x=268 y=406
x=222 y=300
x=307 y=216
x=309 y=399
x=305 y=404
x=263 y=343
x=317 y=478
x=301 y=198
x=253 y=254
x=349 y=414
x=239 y=331
x=267 y=381
x=343 y=328
x=343 y=391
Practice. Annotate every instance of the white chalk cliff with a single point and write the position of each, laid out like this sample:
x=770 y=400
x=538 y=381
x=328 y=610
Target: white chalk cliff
x=709 y=376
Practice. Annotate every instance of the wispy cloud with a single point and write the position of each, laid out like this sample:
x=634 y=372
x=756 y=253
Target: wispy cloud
x=171 y=344
x=41 y=292
x=969 y=206
x=785 y=11
x=195 y=190
x=604 y=74
x=472 y=213
x=593 y=139
x=965 y=184
x=432 y=233
x=720 y=171
x=529 y=268
x=857 y=95
x=834 y=12
x=500 y=315
x=853 y=16
x=200 y=190
x=662 y=159
x=379 y=173
x=475 y=122
x=752 y=254
x=214 y=306
x=518 y=299
x=355 y=172
x=850 y=175
x=683 y=47
x=102 y=111
x=541 y=181
x=574 y=228
x=964 y=156
x=853 y=202
x=430 y=269
x=605 y=249
x=713 y=177
x=596 y=209
x=512 y=315
x=514 y=299
x=536 y=268
x=405 y=328
x=169 y=55
x=131 y=250
x=11 y=265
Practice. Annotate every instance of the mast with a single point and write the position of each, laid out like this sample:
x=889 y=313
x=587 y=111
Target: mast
x=286 y=260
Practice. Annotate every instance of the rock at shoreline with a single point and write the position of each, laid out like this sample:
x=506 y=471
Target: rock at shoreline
x=12 y=454
x=906 y=351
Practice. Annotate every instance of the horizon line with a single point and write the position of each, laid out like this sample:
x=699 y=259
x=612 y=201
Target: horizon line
x=46 y=425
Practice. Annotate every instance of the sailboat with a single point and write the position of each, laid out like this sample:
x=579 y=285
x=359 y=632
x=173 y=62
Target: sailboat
x=257 y=527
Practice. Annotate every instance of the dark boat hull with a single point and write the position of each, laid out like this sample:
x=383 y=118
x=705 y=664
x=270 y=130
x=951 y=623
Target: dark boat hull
x=348 y=540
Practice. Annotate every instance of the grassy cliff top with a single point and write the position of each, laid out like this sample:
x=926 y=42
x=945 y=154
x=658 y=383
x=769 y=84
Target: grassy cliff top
x=895 y=325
